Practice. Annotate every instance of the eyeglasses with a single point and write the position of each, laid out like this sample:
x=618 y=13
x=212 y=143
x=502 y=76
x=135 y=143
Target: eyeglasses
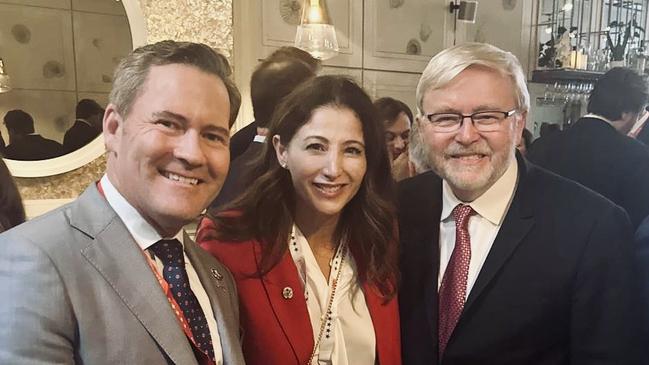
x=486 y=121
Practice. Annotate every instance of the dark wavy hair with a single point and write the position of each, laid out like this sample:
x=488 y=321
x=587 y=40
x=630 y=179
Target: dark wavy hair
x=267 y=208
x=619 y=90
x=390 y=108
x=12 y=212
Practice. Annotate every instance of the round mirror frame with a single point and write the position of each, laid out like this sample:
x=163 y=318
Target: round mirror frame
x=96 y=148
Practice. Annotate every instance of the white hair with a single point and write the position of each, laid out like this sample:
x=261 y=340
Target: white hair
x=449 y=63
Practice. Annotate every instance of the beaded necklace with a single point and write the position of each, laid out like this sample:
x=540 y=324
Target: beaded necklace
x=325 y=319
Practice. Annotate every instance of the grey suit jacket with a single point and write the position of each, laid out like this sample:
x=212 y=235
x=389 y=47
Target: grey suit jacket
x=76 y=288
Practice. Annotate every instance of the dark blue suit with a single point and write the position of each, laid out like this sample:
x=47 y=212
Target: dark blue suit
x=555 y=288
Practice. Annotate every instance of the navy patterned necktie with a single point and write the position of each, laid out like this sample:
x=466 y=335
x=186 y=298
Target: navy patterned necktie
x=170 y=252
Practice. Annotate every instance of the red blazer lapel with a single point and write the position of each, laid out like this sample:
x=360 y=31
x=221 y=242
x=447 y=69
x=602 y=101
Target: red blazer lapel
x=291 y=313
x=385 y=318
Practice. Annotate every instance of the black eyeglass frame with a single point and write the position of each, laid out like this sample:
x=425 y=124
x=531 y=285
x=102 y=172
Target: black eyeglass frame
x=471 y=117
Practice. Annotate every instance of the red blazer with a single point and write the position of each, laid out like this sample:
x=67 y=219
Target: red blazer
x=277 y=331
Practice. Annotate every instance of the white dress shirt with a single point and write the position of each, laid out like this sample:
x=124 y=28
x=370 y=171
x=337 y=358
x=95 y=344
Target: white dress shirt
x=352 y=340
x=145 y=236
x=490 y=209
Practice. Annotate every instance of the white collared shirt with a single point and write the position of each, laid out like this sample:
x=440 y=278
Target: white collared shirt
x=352 y=340
x=596 y=116
x=490 y=209
x=145 y=236
x=259 y=138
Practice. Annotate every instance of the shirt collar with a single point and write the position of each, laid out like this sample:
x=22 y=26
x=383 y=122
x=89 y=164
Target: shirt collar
x=143 y=233
x=493 y=204
x=596 y=116
x=259 y=138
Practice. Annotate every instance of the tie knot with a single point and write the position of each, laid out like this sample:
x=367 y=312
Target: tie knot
x=170 y=252
x=461 y=214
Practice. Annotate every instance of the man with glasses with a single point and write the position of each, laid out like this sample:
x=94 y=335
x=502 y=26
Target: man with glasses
x=503 y=262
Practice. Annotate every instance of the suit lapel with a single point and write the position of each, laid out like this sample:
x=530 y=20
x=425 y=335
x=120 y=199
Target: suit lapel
x=432 y=214
x=386 y=325
x=518 y=222
x=220 y=294
x=292 y=314
x=120 y=262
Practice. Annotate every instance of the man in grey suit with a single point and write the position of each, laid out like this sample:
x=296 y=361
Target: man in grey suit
x=110 y=278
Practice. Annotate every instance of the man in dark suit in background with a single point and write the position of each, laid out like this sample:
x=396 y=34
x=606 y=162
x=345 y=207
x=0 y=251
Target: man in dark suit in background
x=245 y=136
x=503 y=262
x=597 y=153
x=86 y=127
x=24 y=143
x=272 y=80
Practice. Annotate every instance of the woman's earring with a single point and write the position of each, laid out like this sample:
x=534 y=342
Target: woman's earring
x=283 y=164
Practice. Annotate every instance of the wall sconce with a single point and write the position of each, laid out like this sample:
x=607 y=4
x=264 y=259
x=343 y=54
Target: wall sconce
x=466 y=10
x=5 y=80
x=316 y=34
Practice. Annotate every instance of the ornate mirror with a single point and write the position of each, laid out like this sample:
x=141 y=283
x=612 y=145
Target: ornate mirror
x=60 y=56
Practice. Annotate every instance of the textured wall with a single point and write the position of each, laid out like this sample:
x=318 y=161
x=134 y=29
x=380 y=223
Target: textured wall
x=206 y=21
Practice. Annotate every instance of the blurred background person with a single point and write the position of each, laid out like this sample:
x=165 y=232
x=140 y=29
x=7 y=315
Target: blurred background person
x=526 y=142
x=311 y=243
x=272 y=80
x=245 y=136
x=397 y=119
x=12 y=212
x=24 y=143
x=86 y=127
x=596 y=151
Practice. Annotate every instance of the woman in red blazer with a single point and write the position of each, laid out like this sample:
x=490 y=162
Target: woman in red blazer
x=311 y=243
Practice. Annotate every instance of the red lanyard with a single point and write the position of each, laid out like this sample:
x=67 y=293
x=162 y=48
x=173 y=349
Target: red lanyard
x=172 y=301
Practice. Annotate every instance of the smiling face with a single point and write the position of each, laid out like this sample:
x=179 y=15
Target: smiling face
x=170 y=156
x=396 y=135
x=469 y=160
x=326 y=160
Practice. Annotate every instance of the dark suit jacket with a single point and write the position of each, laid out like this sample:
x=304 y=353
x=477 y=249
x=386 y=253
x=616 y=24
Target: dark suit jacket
x=240 y=141
x=276 y=330
x=555 y=287
x=642 y=273
x=595 y=155
x=237 y=179
x=79 y=135
x=33 y=147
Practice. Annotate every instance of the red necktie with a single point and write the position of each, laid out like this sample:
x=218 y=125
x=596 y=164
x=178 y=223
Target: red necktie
x=452 y=291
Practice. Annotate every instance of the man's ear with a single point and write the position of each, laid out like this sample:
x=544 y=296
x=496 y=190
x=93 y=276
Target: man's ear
x=112 y=128
x=280 y=151
x=626 y=122
x=519 y=126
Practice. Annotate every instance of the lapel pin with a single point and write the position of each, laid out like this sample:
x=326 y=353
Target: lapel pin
x=219 y=279
x=217 y=275
x=287 y=292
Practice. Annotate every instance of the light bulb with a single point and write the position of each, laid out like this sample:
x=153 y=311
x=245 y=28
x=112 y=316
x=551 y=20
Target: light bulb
x=316 y=34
